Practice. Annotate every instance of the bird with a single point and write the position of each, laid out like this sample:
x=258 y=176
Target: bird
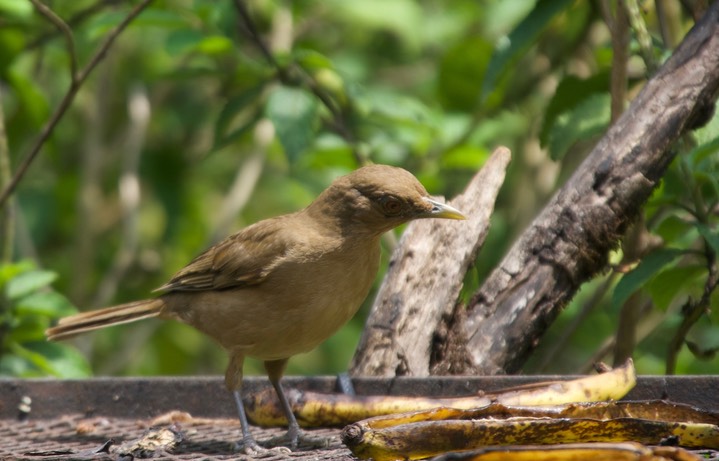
x=281 y=286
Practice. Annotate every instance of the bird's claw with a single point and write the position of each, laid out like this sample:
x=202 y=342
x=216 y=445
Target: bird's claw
x=254 y=450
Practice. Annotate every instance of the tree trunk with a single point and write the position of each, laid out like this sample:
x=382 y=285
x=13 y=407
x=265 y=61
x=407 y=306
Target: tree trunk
x=569 y=242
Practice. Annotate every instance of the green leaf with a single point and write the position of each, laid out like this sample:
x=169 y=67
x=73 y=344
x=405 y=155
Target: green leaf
x=10 y=271
x=182 y=40
x=588 y=118
x=48 y=303
x=518 y=42
x=33 y=107
x=461 y=71
x=12 y=44
x=20 y=9
x=311 y=60
x=28 y=282
x=465 y=156
x=710 y=235
x=293 y=112
x=569 y=93
x=671 y=282
x=672 y=228
x=704 y=152
x=214 y=45
x=401 y=17
x=651 y=265
x=103 y=22
x=54 y=359
x=235 y=119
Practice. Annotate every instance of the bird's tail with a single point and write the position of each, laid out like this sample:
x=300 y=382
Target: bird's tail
x=101 y=318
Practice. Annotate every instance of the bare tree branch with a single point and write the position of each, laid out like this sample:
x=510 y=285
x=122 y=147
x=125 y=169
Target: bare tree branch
x=570 y=240
x=77 y=19
x=64 y=30
x=75 y=85
x=619 y=27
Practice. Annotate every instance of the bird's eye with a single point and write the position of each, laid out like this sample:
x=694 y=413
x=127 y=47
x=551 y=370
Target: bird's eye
x=391 y=206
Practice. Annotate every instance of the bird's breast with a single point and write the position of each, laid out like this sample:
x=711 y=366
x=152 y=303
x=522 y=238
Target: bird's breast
x=300 y=304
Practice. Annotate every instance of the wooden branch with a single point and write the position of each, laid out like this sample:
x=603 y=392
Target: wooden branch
x=424 y=280
x=568 y=243
x=78 y=78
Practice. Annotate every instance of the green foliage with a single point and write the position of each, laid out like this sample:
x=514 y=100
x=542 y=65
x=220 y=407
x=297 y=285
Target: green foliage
x=293 y=112
x=649 y=267
x=516 y=44
x=586 y=119
x=430 y=86
x=27 y=307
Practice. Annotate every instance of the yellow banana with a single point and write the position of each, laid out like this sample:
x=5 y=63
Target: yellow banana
x=430 y=438
x=625 y=451
x=321 y=410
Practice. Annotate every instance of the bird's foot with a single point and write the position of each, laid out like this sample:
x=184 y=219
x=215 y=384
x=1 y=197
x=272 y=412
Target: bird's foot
x=252 y=449
x=295 y=439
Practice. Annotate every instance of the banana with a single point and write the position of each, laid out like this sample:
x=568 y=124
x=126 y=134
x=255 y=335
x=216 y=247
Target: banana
x=624 y=451
x=322 y=410
x=658 y=410
x=314 y=409
x=430 y=438
x=612 y=385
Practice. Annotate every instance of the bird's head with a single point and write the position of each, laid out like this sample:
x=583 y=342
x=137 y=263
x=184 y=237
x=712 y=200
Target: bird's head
x=377 y=198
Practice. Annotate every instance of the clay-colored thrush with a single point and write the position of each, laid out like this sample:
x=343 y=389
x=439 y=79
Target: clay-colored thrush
x=283 y=285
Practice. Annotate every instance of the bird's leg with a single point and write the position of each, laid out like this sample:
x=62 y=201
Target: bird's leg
x=249 y=445
x=233 y=381
x=275 y=369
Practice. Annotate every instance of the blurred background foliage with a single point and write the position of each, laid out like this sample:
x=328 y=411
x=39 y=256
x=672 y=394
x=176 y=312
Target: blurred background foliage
x=204 y=117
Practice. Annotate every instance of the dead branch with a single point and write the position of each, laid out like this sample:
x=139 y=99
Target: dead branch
x=569 y=241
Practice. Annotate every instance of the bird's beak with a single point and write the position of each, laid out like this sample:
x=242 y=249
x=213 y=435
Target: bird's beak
x=441 y=210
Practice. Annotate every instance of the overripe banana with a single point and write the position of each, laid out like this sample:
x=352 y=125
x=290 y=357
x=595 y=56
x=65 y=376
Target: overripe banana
x=322 y=410
x=624 y=451
x=430 y=438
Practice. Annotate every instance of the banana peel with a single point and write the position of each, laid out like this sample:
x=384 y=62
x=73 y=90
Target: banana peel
x=431 y=438
x=625 y=451
x=333 y=410
x=659 y=410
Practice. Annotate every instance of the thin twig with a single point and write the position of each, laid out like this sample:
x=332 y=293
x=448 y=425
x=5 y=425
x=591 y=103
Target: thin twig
x=68 y=99
x=694 y=310
x=251 y=30
x=64 y=30
x=666 y=21
x=618 y=25
x=639 y=26
x=74 y=20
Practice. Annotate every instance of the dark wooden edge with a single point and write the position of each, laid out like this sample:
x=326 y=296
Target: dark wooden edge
x=207 y=397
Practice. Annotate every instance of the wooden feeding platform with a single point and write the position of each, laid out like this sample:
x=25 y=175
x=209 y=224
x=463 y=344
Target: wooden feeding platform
x=43 y=419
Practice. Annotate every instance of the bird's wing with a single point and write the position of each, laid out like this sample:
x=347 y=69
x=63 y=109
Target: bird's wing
x=242 y=259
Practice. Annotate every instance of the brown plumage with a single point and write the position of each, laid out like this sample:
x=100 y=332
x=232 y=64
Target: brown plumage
x=283 y=285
